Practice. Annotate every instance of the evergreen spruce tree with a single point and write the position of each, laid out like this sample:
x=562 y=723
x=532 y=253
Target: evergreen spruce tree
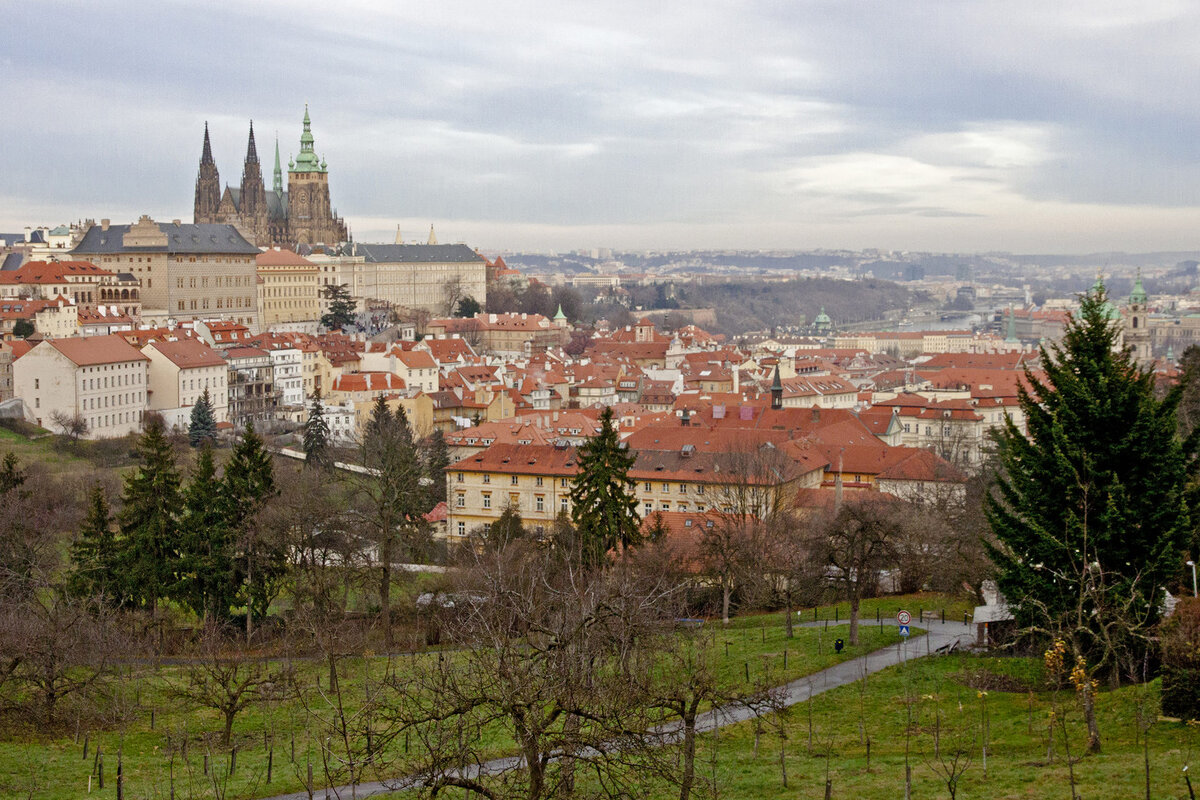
x=11 y=474
x=149 y=520
x=248 y=484
x=392 y=499
x=203 y=427
x=94 y=572
x=437 y=458
x=206 y=580
x=316 y=433
x=603 y=503
x=1090 y=515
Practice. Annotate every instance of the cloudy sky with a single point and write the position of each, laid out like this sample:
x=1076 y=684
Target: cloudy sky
x=950 y=125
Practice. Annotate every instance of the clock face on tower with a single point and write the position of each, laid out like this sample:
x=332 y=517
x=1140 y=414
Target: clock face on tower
x=302 y=197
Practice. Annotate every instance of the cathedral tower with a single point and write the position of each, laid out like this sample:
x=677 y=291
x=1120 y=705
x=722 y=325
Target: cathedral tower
x=310 y=216
x=252 y=202
x=208 y=185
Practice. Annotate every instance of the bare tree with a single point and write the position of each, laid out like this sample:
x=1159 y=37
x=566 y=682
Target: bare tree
x=547 y=651
x=857 y=541
x=73 y=426
x=55 y=648
x=221 y=676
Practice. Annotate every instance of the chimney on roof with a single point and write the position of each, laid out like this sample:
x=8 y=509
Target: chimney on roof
x=816 y=413
x=103 y=224
x=686 y=418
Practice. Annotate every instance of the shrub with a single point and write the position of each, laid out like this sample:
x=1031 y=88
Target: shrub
x=1181 y=661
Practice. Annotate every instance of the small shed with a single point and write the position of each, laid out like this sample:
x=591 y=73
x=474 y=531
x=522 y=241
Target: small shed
x=994 y=622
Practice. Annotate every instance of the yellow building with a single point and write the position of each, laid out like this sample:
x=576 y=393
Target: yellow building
x=288 y=288
x=535 y=481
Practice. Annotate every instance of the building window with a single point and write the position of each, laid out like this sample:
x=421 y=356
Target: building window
x=513 y=480
x=460 y=500
x=562 y=505
x=487 y=478
x=649 y=487
x=666 y=488
x=460 y=477
x=462 y=529
x=487 y=500
x=537 y=481
x=540 y=503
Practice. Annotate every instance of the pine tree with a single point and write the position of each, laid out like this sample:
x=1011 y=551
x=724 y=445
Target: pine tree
x=437 y=458
x=206 y=581
x=1090 y=514
x=248 y=483
x=316 y=434
x=149 y=520
x=94 y=573
x=203 y=427
x=603 y=503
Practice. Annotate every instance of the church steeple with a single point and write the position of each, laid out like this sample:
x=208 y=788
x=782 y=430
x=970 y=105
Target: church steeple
x=251 y=150
x=208 y=185
x=777 y=389
x=278 y=172
x=252 y=202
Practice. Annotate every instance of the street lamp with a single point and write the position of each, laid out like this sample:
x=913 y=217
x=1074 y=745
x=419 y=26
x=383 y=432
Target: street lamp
x=1192 y=564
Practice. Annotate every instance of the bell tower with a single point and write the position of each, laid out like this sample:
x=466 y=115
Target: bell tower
x=1137 y=334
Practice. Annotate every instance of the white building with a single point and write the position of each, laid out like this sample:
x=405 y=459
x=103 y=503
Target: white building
x=287 y=364
x=102 y=380
x=180 y=372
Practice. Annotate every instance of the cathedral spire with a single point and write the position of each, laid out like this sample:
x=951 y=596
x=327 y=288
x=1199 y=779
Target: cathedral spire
x=278 y=171
x=208 y=185
x=206 y=154
x=251 y=150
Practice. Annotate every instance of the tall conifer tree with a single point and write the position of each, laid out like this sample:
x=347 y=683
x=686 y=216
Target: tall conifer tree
x=248 y=484
x=149 y=519
x=203 y=427
x=206 y=580
x=1090 y=513
x=437 y=458
x=316 y=433
x=603 y=503
x=94 y=572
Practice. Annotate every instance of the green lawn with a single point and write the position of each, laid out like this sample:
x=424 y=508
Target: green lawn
x=53 y=765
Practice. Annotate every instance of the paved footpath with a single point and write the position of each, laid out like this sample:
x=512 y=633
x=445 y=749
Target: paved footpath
x=939 y=634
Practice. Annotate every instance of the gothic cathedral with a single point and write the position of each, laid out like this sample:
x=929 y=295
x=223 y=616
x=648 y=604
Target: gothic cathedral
x=300 y=215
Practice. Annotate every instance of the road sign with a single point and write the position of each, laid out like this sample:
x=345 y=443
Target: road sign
x=904 y=630
x=903 y=617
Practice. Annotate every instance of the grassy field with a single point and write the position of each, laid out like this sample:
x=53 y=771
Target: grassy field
x=947 y=706
x=53 y=766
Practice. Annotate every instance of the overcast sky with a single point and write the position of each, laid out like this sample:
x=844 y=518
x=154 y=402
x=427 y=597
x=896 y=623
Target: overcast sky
x=950 y=125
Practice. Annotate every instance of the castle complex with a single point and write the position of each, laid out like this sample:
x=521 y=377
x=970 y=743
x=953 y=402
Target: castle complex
x=300 y=215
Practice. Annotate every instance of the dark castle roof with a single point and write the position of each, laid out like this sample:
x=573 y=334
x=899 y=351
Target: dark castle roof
x=181 y=238
x=276 y=203
x=417 y=253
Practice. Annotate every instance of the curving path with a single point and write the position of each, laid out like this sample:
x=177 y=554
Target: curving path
x=938 y=635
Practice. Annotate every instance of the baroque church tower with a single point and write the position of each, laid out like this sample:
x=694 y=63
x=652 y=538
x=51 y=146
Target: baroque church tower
x=208 y=185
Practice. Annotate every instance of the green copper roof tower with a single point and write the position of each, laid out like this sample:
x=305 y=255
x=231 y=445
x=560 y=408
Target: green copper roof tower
x=307 y=161
x=560 y=314
x=1012 y=326
x=1138 y=295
